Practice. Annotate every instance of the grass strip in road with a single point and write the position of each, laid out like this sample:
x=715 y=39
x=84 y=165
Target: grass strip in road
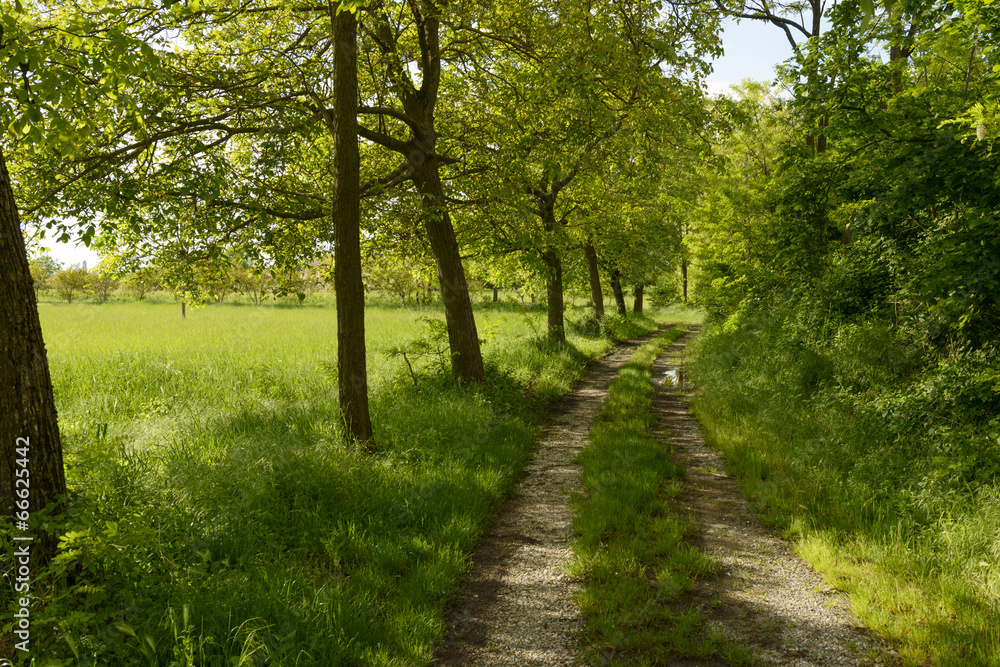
x=631 y=548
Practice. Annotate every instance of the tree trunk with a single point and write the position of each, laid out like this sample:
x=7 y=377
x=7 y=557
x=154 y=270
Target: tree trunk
x=352 y=375
x=553 y=279
x=496 y=294
x=419 y=151
x=637 y=301
x=596 y=295
x=616 y=287
x=27 y=408
x=554 y=291
x=463 y=338
x=183 y=309
x=684 y=278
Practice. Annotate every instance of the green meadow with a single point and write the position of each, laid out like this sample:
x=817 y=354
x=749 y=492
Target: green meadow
x=217 y=517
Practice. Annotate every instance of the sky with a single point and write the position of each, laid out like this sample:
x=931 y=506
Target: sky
x=752 y=50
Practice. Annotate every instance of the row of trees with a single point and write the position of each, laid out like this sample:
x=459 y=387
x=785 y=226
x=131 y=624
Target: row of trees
x=408 y=280
x=528 y=137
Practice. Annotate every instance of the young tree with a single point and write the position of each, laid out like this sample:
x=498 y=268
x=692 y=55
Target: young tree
x=102 y=282
x=142 y=281
x=71 y=281
x=42 y=268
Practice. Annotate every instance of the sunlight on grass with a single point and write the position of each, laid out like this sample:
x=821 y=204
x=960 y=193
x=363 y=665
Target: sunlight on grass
x=218 y=517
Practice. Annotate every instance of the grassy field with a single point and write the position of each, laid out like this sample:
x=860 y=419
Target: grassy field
x=217 y=516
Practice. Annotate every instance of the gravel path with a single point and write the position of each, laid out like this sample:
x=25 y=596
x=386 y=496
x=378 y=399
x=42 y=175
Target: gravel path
x=766 y=597
x=517 y=607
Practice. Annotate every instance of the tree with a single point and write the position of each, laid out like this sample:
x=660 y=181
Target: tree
x=142 y=281
x=394 y=275
x=412 y=108
x=557 y=88
x=28 y=422
x=352 y=378
x=101 y=282
x=253 y=282
x=42 y=268
x=69 y=60
x=71 y=281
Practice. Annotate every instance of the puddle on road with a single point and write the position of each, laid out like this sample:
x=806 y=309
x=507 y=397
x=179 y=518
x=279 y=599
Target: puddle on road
x=673 y=377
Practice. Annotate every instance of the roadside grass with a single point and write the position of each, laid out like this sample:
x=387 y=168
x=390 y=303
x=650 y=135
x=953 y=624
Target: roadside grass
x=631 y=549
x=217 y=515
x=885 y=477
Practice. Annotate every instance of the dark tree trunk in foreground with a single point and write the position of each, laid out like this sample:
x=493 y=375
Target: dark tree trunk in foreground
x=596 y=294
x=553 y=279
x=554 y=292
x=352 y=376
x=684 y=277
x=616 y=287
x=496 y=294
x=637 y=301
x=27 y=408
x=463 y=337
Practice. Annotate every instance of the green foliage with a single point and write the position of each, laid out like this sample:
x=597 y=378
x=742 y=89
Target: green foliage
x=102 y=283
x=70 y=282
x=854 y=289
x=43 y=267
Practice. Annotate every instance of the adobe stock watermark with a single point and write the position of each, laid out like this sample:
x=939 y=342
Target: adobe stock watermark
x=22 y=549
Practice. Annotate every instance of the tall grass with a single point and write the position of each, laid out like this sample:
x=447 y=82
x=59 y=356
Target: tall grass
x=883 y=467
x=217 y=517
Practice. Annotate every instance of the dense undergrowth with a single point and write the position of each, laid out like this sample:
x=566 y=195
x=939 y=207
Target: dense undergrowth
x=217 y=516
x=880 y=457
x=631 y=549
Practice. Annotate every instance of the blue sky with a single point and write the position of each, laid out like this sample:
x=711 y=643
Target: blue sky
x=752 y=51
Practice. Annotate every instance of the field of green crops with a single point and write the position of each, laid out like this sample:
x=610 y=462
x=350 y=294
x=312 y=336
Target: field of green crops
x=218 y=518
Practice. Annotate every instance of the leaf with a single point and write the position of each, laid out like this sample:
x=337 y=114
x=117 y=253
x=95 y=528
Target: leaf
x=867 y=10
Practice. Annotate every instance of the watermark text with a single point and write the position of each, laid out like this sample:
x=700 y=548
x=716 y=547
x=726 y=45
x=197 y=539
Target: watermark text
x=22 y=548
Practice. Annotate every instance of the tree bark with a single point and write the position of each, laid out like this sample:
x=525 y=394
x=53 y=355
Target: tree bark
x=553 y=280
x=352 y=375
x=616 y=287
x=637 y=300
x=496 y=294
x=27 y=407
x=554 y=291
x=463 y=338
x=596 y=295
x=684 y=278
x=419 y=151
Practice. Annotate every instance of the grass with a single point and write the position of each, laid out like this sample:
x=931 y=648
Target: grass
x=217 y=516
x=631 y=549
x=884 y=475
